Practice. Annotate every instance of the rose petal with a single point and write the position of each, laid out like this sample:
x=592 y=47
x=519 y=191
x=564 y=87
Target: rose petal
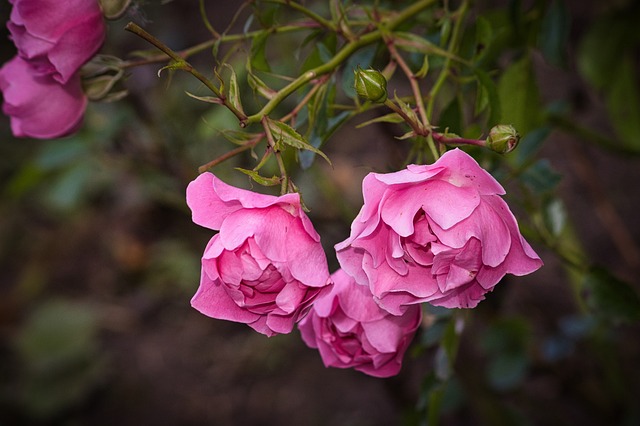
x=463 y=171
x=447 y=204
x=38 y=106
x=73 y=30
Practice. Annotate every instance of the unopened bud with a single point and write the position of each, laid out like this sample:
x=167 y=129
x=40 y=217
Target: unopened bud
x=114 y=9
x=370 y=84
x=503 y=138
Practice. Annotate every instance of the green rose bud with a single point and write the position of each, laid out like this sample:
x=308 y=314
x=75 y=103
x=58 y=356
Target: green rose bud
x=114 y=9
x=503 y=138
x=371 y=85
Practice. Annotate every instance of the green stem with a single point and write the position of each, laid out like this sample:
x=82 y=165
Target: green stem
x=453 y=45
x=227 y=155
x=224 y=38
x=417 y=127
x=309 y=13
x=339 y=58
x=417 y=94
x=206 y=21
x=443 y=138
x=181 y=63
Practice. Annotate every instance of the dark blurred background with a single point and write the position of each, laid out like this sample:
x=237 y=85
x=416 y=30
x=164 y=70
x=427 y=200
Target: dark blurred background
x=99 y=260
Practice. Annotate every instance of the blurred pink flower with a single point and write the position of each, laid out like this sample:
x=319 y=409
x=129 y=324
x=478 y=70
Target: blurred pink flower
x=39 y=106
x=57 y=37
x=351 y=331
x=42 y=90
x=266 y=265
x=436 y=233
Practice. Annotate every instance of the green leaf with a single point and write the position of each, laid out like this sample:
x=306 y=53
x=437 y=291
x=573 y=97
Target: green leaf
x=424 y=69
x=610 y=297
x=258 y=55
x=484 y=37
x=529 y=145
x=287 y=135
x=322 y=52
x=507 y=371
x=506 y=343
x=66 y=189
x=488 y=90
x=257 y=85
x=234 y=90
x=387 y=118
x=208 y=99
x=623 y=102
x=417 y=44
x=554 y=33
x=519 y=99
x=318 y=137
x=451 y=117
x=58 y=347
x=540 y=177
x=555 y=216
x=600 y=51
x=238 y=137
x=259 y=179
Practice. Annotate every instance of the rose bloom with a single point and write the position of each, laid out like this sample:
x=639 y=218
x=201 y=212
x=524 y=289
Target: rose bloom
x=436 y=233
x=266 y=265
x=57 y=37
x=351 y=331
x=39 y=106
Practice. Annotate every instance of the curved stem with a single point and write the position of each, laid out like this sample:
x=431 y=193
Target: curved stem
x=417 y=94
x=453 y=45
x=227 y=155
x=181 y=63
x=224 y=38
x=309 y=13
x=339 y=57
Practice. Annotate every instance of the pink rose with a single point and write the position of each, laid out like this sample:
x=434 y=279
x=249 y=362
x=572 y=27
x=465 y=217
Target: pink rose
x=436 y=233
x=39 y=106
x=266 y=265
x=351 y=330
x=57 y=37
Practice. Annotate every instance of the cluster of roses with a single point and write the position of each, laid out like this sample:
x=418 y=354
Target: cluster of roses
x=436 y=233
x=41 y=85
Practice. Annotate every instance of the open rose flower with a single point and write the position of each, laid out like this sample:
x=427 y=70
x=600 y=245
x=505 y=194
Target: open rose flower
x=351 y=331
x=266 y=265
x=436 y=233
x=57 y=37
x=39 y=106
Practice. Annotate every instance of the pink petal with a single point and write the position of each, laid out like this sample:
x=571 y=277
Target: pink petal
x=412 y=174
x=463 y=171
x=207 y=208
x=212 y=300
x=38 y=106
x=350 y=259
x=355 y=300
x=74 y=30
x=486 y=225
x=447 y=204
